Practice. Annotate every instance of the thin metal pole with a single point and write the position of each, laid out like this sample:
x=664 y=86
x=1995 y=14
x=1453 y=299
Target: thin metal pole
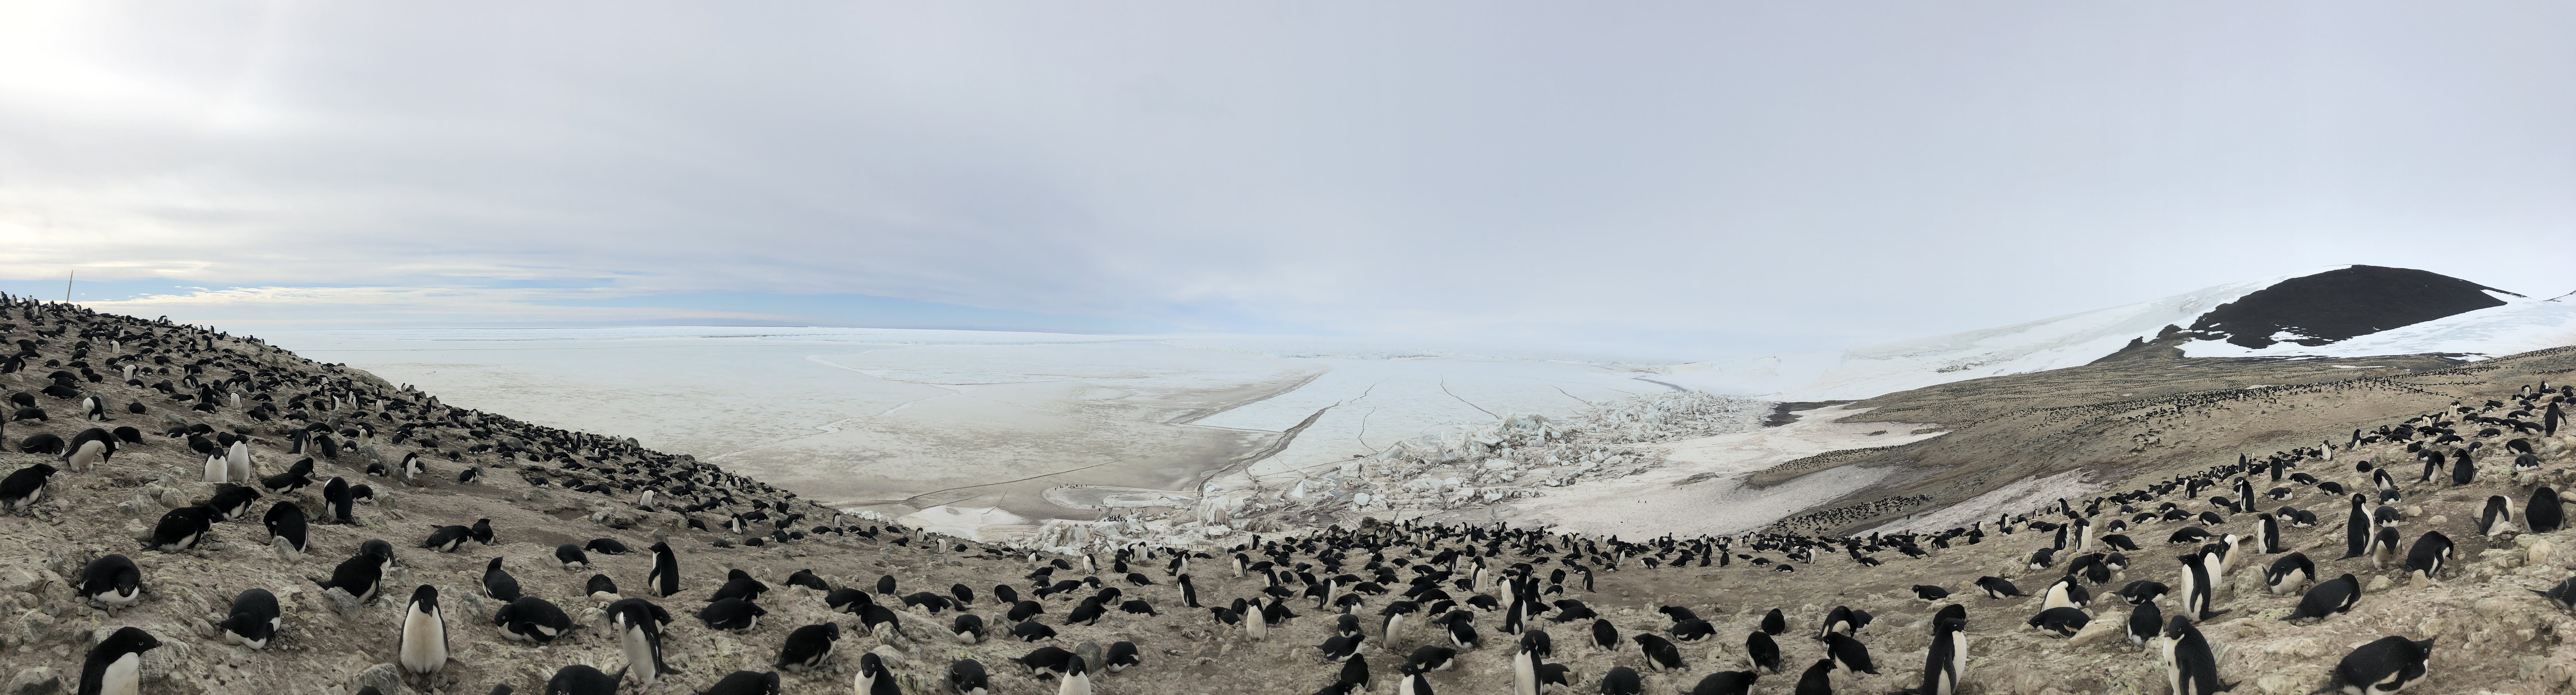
x=67 y=285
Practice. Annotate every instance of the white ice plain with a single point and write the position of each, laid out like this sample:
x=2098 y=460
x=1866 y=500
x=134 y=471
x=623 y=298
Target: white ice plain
x=975 y=427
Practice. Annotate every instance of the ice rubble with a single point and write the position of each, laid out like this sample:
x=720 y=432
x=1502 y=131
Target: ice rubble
x=1520 y=455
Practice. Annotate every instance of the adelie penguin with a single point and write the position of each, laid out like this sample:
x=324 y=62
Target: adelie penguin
x=966 y=676
x=2424 y=561
x=808 y=647
x=2063 y=621
x=1848 y=654
x=1993 y=587
x=664 y=579
x=2544 y=513
x=2497 y=518
x=639 y=636
x=744 y=683
x=498 y=584
x=422 y=649
x=21 y=490
x=2289 y=573
x=112 y=581
x=181 y=529
x=2387 y=665
x=2146 y=623
x=531 y=619
x=733 y=614
x=2327 y=598
x=114 y=666
x=2190 y=667
x=572 y=558
x=254 y=619
x=1762 y=651
x=360 y=575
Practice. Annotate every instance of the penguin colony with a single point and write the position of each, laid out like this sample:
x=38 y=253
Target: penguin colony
x=457 y=602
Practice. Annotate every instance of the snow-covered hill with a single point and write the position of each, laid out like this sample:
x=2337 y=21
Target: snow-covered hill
x=2341 y=311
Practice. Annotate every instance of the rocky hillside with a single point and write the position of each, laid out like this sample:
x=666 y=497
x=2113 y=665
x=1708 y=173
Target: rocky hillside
x=192 y=393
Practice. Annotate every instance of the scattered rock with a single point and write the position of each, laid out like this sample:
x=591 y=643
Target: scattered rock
x=34 y=680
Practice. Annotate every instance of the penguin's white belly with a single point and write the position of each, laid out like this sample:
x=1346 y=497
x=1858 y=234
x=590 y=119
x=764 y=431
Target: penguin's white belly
x=424 y=648
x=124 y=676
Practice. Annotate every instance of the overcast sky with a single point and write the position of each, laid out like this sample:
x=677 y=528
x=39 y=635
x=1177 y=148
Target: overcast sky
x=1726 y=178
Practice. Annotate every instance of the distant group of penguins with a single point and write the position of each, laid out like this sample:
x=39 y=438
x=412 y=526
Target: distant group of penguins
x=1408 y=570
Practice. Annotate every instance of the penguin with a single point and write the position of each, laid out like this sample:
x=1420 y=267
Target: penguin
x=114 y=666
x=1189 y=592
x=2267 y=537
x=639 y=635
x=2497 y=518
x=1077 y=675
x=215 y=470
x=1431 y=658
x=1733 y=683
x=2327 y=598
x=498 y=584
x=447 y=538
x=113 y=581
x=2383 y=547
x=1762 y=651
x=237 y=462
x=744 y=683
x=1848 y=655
x=605 y=546
x=2196 y=586
x=1525 y=670
x=1844 y=620
x=2190 y=667
x=733 y=614
x=2146 y=622
x=1605 y=636
x=1773 y=623
x=24 y=487
x=2063 y=621
x=422 y=647
x=808 y=647
x=967 y=629
x=181 y=529
x=88 y=450
x=361 y=576
x=2387 y=665
x=336 y=500
x=1929 y=593
x=254 y=619
x=531 y=619
x=2357 y=531
x=2544 y=513
x=2289 y=573
x=1620 y=680
x=2561 y=595
x=1994 y=587
x=1413 y=682
x=572 y=557
x=2425 y=560
x=2064 y=593
x=663 y=580
x=966 y=676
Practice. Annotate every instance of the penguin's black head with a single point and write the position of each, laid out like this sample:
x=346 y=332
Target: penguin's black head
x=133 y=640
x=425 y=598
x=2175 y=628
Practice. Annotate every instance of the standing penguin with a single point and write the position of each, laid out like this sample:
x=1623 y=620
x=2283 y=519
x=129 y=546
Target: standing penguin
x=2196 y=586
x=1947 y=659
x=422 y=648
x=2190 y=667
x=664 y=579
x=1077 y=675
x=2357 y=531
x=639 y=635
x=2268 y=534
x=873 y=679
x=237 y=462
x=115 y=665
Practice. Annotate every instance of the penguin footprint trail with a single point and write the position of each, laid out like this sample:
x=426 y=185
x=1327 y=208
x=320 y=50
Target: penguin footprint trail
x=189 y=511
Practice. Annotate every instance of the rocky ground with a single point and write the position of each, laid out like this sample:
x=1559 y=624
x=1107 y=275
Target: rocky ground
x=2493 y=634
